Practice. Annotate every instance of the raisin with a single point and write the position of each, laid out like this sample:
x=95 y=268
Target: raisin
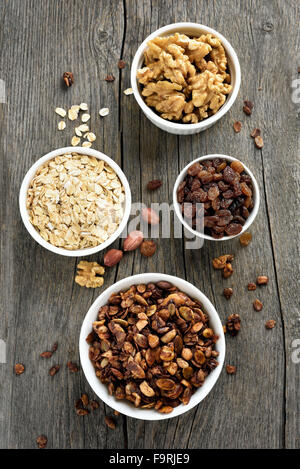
x=229 y=175
x=233 y=229
x=246 y=189
x=237 y=166
x=213 y=193
x=194 y=169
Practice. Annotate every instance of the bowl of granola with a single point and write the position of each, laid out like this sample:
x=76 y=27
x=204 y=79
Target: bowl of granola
x=216 y=197
x=75 y=201
x=152 y=346
x=185 y=77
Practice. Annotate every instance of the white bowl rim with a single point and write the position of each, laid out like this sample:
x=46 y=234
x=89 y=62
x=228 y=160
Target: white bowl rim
x=229 y=101
x=249 y=220
x=30 y=174
x=123 y=406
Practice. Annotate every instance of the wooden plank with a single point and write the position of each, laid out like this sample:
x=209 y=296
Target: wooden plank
x=41 y=303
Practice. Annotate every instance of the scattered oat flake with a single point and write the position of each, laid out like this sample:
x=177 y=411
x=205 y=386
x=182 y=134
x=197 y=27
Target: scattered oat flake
x=259 y=142
x=237 y=126
x=85 y=117
x=19 y=368
x=83 y=107
x=83 y=128
x=61 y=125
x=72 y=114
x=77 y=132
x=91 y=137
x=42 y=441
x=61 y=112
x=75 y=107
x=86 y=144
x=75 y=141
x=104 y=111
x=128 y=91
x=270 y=324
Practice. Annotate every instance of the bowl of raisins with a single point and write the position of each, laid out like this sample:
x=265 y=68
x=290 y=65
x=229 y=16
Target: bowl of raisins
x=216 y=197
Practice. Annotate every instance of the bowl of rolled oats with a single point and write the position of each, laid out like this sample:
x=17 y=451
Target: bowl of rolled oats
x=185 y=77
x=216 y=197
x=75 y=201
x=152 y=346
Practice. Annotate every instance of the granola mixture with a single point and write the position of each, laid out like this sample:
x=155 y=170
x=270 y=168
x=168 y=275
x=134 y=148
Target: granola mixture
x=153 y=346
x=75 y=201
x=185 y=78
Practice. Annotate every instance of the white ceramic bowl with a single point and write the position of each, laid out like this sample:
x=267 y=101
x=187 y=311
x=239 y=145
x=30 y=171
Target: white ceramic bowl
x=253 y=213
x=23 y=194
x=233 y=65
x=124 y=406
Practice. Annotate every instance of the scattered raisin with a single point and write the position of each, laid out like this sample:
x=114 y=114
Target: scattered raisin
x=110 y=422
x=257 y=305
x=270 y=324
x=54 y=347
x=110 y=78
x=237 y=126
x=72 y=367
x=231 y=369
x=42 y=441
x=247 y=108
x=262 y=280
x=94 y=404
x=46 y=354
x=255 y=133
x=68 y=78
x=245 y=238
x=121 y=64
x=233 y=324
x=54 y=369
x=259 y=142
x=153 y=185
x=19 y=368
x=228 y=292
x=251 y=286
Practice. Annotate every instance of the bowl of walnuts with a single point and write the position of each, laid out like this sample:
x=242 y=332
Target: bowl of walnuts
x=152 y=346
x=185 y=77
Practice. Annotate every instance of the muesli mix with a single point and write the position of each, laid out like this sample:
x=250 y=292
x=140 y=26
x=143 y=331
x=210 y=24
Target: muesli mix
x=185 y=79
x=75 y=201
x=153 y=345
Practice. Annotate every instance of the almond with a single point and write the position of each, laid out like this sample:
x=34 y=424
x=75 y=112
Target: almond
x=133 y=240
x=150 y=216
x=112 y=257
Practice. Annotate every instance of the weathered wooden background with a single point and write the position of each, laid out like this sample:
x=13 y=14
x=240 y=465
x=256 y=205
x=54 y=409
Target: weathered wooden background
x=40 y=304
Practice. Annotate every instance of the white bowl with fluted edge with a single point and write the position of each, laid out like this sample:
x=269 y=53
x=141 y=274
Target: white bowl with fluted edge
x=126 y=407
x=255 y=195
x=30 y=175
x=193 y=29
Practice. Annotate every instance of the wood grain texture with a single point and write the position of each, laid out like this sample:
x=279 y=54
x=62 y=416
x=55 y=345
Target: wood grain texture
x=40 y=304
